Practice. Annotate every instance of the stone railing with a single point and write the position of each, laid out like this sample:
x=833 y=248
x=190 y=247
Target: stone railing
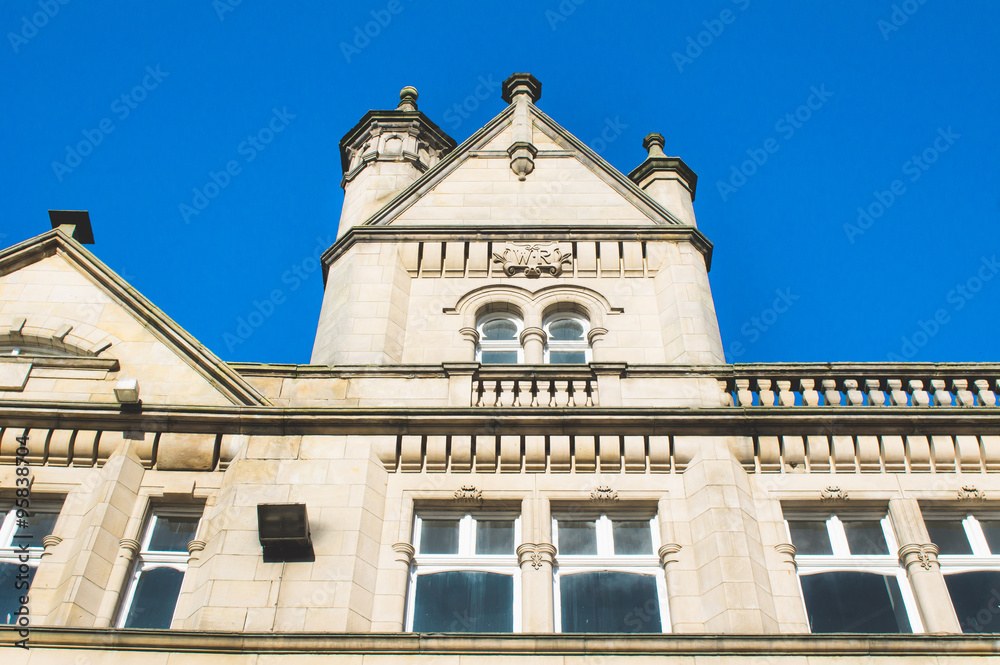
x=494 y=386
x=860 y=385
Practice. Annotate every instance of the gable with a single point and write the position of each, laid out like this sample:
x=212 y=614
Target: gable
x=56 y=295
x=475 y=185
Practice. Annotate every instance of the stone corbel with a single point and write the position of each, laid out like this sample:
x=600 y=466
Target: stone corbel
x=537 y=554
x=787 y=550
x=522 y=158
x=49 y=542
x=924 y=554
x=194 y=548
x=404 y=553
x=668 y=554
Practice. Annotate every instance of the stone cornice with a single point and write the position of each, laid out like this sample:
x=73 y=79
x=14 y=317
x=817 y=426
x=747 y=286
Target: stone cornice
x=724 y=421
x=516 y=232
x=187 y=641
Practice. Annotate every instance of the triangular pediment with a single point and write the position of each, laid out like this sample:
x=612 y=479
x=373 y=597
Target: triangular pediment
x=570 y=183
x=58 y=295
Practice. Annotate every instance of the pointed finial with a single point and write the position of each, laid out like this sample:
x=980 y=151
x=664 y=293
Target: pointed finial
x=654 y=144
x=407 y=99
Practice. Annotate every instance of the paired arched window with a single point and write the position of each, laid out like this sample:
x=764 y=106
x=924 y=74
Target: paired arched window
x=499 y=339
x=565 y=343
x=566 y=339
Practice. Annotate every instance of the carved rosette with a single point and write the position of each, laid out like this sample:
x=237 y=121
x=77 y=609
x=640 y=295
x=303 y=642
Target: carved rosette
x=922 y=554
x=532 y=259
x=537 y=554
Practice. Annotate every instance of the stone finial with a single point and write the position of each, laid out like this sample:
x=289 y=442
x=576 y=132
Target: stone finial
x=518 y=84
x=407 y=99
x=654 y=144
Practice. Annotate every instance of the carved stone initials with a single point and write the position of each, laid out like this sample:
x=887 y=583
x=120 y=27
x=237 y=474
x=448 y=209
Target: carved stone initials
x=603 y=493
x=468 y=494
x=532 y=259
x=833 y=493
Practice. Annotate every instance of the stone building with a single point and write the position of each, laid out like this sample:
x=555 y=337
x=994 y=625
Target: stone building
x=517 y=440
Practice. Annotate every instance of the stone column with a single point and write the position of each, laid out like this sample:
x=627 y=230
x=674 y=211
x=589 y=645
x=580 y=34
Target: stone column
x=533 y=341
x=118 y=580
x=598 y=350
x=471 y=337
x=669 y=562
x=400 y=579
x=536 y=557
x=919 y=557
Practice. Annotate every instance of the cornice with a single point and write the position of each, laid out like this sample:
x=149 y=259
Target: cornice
x=400 y=644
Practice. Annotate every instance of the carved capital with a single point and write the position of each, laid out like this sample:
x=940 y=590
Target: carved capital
x=536 y=554
x=194 y=547
x=49 y=542
x=595 y=335
x=470 y=335
x=128 y=547
x=924 y=554
x=532 y=333
x=404 y=552
x=668 y=554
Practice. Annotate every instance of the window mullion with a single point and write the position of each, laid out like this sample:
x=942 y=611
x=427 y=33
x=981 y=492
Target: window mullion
x=974 y=532
x=838 y=537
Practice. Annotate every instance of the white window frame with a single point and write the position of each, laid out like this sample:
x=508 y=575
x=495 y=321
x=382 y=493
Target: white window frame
x=567 y=345
x=843 y=561
x=148 y=559
x=466 y=559
x=500 y=345
x=10 y=553
x=981 y=559
x=607 y=560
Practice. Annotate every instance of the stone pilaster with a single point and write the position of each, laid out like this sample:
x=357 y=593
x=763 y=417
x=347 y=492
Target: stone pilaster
x=537 y=604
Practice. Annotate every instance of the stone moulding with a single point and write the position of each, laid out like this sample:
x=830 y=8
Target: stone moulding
x=906 y=647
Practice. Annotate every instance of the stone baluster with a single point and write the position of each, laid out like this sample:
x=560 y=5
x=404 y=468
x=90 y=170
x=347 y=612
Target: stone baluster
x=986 y=396
x=743 y=392
x=785 y=395
x=506 y=393
x=765 y=392
x=726 y=388
x=941 y=395
x=920 y=396
x=810 y=396
x=854 y=396
x=831 y=395
x=963 y=396
x=897 y=396
x=561 y=393
x=875 y=395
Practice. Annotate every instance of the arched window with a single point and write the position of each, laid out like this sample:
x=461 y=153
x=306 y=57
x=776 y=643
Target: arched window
x=499 y=339
x=566 y=339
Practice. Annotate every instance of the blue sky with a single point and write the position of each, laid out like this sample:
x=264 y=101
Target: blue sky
x=793 y=115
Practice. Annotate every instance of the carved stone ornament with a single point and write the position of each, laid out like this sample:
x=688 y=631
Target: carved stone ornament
x=532 y=259
x=923 y=553
x=833 y=493
x=603 y=493
x=970 y=493
x=468 y=494
x=537 y=554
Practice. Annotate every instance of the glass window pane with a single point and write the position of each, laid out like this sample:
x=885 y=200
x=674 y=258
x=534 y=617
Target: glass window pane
x=498 y=357
x=577 y=537
x=566 y=329
x=494 y=536
x=464 y=602
x=949 y=536
x=609 y=602
x=991 y=529
x=567 y=357
x=848 y=602
x=155 y=598
x=34 y=528
x=810 y=537
x=499 y=329
x=439 y=536
x=172 y=533
x=865 y=537
x=10 y=593
x=976 y=597
x=632 y=537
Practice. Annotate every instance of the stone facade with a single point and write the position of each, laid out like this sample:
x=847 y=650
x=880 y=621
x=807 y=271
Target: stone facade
x=399 y=421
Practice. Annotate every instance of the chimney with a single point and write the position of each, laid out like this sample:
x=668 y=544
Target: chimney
x=384 y=153
x=668 y=180
x=74 y=223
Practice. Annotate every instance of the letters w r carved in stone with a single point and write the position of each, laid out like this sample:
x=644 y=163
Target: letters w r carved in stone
x=532 y=259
